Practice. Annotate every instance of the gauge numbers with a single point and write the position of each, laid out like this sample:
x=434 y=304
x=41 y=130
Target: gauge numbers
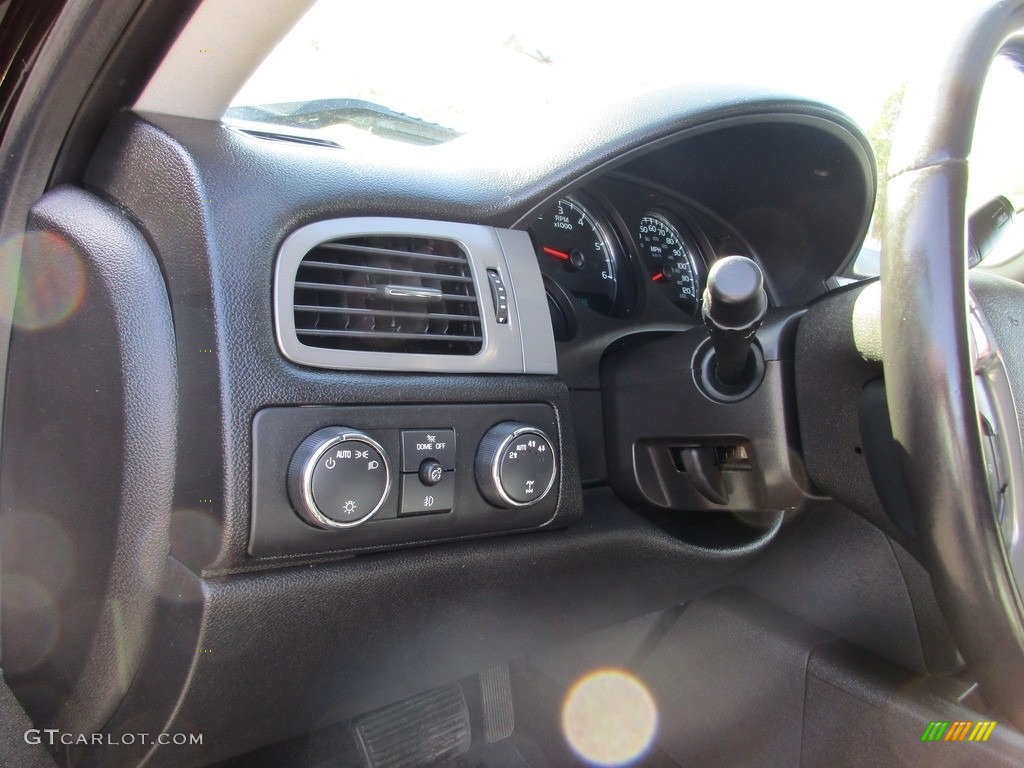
x=577 y=251
x=673 y=259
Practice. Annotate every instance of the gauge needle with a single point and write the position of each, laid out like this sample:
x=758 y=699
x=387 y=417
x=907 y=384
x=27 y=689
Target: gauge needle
x=561 y=255
x=658 y=276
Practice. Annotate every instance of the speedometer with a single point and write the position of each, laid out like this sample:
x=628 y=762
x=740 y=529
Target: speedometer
x=672 y=257
x=579 y=253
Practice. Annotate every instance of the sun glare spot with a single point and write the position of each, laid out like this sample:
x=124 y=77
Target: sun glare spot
x=31 y=623
x=609 y=718
x=195 y=536
x=51 y=279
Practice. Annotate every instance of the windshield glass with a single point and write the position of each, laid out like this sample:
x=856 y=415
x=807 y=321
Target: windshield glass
x=354 y=74
x=464 y=65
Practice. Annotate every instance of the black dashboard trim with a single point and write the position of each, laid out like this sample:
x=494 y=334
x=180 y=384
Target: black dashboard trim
x=215 y=205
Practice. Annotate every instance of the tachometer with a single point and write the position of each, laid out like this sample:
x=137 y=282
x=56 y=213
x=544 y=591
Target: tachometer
x=578 y=251
x=673 y=259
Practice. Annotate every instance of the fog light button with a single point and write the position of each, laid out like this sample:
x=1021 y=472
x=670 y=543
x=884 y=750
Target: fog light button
x=420 y=499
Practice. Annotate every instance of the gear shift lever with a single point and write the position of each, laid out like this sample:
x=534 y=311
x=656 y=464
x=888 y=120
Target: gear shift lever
x=733 y=308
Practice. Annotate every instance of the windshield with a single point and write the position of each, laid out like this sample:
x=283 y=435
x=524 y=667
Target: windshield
x=463 y=66
x=354 y=74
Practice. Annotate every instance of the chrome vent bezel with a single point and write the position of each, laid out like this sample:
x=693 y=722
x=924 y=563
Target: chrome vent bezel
x=525 y=344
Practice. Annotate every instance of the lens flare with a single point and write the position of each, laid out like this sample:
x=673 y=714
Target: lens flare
x=31 y=623
x=40 y=548
x=609 y=718
x=51 y=279
x=195 y=536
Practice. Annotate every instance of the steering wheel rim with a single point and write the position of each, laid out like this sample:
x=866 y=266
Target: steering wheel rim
x=930 y=362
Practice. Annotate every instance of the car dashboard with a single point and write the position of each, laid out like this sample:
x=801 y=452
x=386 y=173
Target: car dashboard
x=501 y=441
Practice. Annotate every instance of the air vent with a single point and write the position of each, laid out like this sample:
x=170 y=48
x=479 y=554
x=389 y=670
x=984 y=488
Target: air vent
x=388 y=293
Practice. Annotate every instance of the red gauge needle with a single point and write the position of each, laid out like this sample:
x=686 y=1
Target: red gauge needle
x=561 y=255
x=659 y=276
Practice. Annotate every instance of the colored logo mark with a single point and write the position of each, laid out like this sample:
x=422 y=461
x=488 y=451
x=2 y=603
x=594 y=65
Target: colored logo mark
x=958 y=730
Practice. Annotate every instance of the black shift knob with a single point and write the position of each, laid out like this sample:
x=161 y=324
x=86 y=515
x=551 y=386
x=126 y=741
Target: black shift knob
x=733 y=308
x=734 y=298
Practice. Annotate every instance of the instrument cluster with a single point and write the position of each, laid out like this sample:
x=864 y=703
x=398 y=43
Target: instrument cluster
x=622 y=250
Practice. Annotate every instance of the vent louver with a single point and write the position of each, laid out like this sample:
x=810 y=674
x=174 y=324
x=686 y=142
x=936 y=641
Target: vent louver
x=387 y=293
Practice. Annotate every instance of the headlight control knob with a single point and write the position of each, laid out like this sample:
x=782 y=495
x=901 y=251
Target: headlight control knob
x=338 y=478
x=515 y=465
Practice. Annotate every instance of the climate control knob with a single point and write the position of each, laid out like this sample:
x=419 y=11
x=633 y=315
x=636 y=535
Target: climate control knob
x=515 y=465
x=338 y=478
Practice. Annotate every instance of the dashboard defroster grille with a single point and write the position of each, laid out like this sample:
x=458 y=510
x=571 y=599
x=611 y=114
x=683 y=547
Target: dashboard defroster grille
x=401 y=294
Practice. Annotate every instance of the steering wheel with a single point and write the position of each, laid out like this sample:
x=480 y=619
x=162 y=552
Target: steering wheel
x=953 y=355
